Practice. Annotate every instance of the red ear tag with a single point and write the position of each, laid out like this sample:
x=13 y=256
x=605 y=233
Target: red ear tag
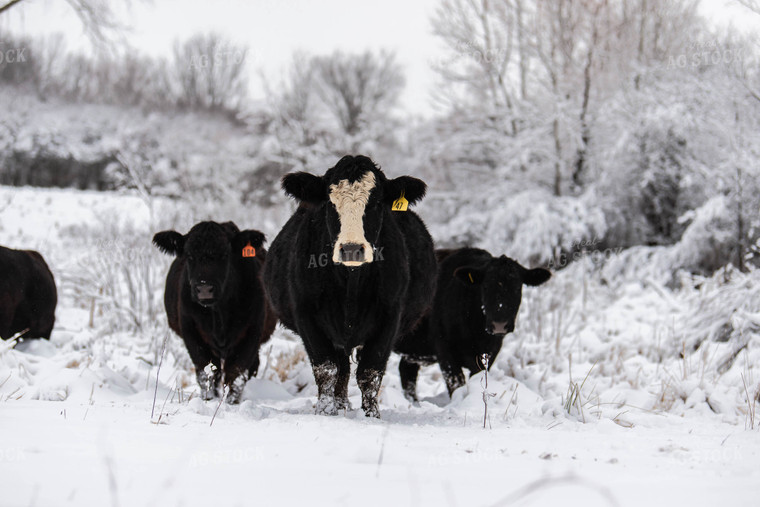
x=249 y=251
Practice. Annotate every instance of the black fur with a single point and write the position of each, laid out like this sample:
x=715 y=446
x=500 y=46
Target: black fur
x=28 y=296
x=215 y=301
x=475 y=306
x=335 y=308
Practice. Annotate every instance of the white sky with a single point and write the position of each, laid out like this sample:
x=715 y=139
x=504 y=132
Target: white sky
x=274 y=29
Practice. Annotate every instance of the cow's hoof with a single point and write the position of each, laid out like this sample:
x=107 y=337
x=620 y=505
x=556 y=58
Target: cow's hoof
x=342 y=404
x=326 y=406
x=411 y=398
x=372 y=411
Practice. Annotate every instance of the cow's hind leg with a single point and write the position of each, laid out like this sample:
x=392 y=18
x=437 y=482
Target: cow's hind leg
x=341 y=383
x=408 y=371
x=453 y=375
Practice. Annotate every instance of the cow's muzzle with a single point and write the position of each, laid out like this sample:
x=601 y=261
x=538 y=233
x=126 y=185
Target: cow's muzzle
x=205 y=293
x=353 y=254
x=500 y=328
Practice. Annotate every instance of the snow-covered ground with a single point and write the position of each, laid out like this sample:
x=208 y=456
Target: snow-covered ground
x=613 y=390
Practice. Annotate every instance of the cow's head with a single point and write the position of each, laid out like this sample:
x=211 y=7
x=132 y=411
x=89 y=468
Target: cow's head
x=208 y=249
x=356 y=195
x=499 y=282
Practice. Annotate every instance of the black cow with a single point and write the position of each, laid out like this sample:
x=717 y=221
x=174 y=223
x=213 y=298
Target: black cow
x=476 y=303
x=351 y=268
x=27 y=295
x=215 y=301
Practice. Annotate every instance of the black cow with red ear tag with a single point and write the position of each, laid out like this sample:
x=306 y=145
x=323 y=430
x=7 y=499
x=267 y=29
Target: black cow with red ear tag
x=215 y=302
x=475 y=307
x=353 y=268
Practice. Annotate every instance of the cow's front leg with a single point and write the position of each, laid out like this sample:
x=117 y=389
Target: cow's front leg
x=235 y=378
x=207 y=380
x=323 y=356
x=205 y=371
x=371 y=369
x=341 y=383
x=326 y=377
x=236 y=388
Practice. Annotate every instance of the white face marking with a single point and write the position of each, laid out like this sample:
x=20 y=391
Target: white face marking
x=350 y=200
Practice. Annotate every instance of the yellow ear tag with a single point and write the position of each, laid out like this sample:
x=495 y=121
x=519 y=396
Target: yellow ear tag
x=249 y=251
x=400 y=204
x=470 y=275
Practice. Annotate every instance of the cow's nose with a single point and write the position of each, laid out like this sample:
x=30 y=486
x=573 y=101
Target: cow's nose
x=499 y=327
x=352 y=252
x=204 y=291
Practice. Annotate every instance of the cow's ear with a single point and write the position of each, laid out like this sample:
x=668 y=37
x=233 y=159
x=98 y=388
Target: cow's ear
x=248 y=238
x=230 y=228
x=534 y=277
x=169 y=242
x=305 y=187
x=470 y=275
x=412 y=189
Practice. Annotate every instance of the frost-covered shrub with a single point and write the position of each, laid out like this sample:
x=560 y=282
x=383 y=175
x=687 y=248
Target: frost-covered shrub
x=648 y=161
x=708 y=242
x=119 y=278
x=724 y=308
x=534 y=225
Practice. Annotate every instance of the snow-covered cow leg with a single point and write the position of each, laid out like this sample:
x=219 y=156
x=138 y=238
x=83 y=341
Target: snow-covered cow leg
x=408 y=370
x=341 y=384
x=326 y=376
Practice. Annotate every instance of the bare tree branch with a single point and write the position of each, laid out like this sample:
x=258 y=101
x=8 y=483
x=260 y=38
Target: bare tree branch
x=357 y=87
x=753 y=5
x=7 y=6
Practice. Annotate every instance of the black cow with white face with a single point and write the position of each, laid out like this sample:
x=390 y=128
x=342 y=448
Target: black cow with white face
x=215 y=301
x=352 y=268
x=476 y=304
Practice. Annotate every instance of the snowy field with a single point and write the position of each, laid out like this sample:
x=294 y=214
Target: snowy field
x=615 y=389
